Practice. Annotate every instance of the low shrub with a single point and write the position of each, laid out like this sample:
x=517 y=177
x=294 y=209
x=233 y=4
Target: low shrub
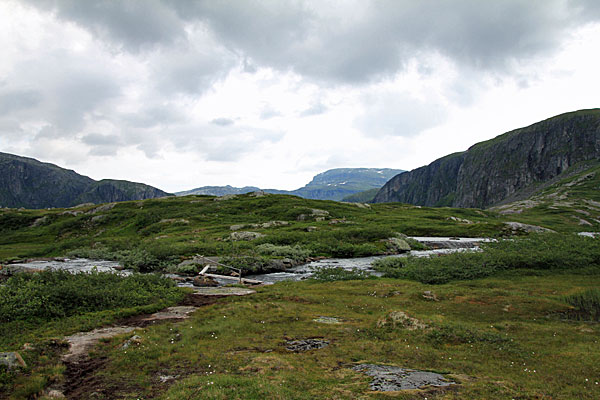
x=57 y=294
x=340 y=274
x=542 y=252
x=296 y=252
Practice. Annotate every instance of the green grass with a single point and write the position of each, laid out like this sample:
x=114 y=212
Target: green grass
x=586 y=304
x=158 y=233
x=499 y=337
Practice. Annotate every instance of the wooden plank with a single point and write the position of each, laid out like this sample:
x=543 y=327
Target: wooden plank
x=233 y=278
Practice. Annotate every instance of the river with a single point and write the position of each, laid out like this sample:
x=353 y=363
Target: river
x=439 y=245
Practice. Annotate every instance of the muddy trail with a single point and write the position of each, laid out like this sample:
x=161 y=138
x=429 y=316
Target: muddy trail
x=82 y=380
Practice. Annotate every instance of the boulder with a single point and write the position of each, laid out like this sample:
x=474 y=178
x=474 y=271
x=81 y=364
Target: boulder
x=397 y=245
x=245 y=235
x=400 y=319
x=225 y=197
x=204 y=281
x=518 y=226
x=306 y=345
x=12 y=360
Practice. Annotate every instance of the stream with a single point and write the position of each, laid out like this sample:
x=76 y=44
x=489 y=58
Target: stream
x=438 y=245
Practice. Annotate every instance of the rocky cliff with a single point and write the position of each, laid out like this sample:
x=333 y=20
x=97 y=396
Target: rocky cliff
x=26 y=182
x=511 y=164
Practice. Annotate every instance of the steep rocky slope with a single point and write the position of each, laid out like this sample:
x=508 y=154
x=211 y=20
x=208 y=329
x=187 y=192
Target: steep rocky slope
x=26 y=182
x=509 y=166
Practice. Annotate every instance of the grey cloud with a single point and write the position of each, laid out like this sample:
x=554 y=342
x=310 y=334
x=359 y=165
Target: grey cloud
x=97 y=139
x=222 y=121
x=59 y=91
x=154 y=115
x=99 y=144
x=478 y=34
x=190 y=69
x=394 y=115
x=381 y=38
x=220 y=143
x=18 y=99
x=134 y=24
x=268 y=113
x=315 y=109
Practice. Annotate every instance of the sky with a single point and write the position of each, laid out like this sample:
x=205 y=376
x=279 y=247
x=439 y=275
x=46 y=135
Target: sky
x=183 y=94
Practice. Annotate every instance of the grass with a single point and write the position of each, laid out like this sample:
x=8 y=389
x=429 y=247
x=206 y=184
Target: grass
x=499 y=337
x=586 y=304
x=158 y=233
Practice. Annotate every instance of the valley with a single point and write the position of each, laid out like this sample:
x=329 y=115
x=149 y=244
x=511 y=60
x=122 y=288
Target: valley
x=515 y=317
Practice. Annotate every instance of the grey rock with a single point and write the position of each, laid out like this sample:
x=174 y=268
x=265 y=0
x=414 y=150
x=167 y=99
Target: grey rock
x=12 y=360
x=225 y=197
x=135 y=339
x=244 y=235
x=387 y=378
x=40 y=221
x=399 y=319
x=306 y=344
x=204 y=281
x=518 y=226
x=327 y=320
x=102 y=208
x=397 y=245
x=99 y=218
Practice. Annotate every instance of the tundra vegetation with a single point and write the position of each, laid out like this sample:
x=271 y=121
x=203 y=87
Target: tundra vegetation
x=516 y=320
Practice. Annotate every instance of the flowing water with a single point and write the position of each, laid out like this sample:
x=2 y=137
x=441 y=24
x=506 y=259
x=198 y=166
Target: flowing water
x=439 y=245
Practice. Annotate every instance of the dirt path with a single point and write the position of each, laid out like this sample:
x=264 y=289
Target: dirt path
x=80 y=376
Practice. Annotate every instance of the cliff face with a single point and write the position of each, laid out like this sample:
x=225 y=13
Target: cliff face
x=26 y=182
x=492 y=171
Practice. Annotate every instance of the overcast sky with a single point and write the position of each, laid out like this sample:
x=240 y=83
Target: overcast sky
x=182 y=94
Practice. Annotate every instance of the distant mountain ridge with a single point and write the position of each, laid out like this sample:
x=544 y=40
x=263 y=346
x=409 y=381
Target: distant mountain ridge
x=334 y=184
x=29 y=183
x=506 y=168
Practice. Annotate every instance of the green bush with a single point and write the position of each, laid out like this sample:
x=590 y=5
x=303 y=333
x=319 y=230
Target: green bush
x=57 y=294
x=297 y=253
x=340 y=274
x=542 y=252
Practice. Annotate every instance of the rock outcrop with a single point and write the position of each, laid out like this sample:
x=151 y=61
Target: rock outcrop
x=509 y=166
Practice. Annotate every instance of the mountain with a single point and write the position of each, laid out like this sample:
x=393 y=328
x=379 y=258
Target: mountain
x=507 y=168
x=334 y=184
x=218 y=190
x=26 y=182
